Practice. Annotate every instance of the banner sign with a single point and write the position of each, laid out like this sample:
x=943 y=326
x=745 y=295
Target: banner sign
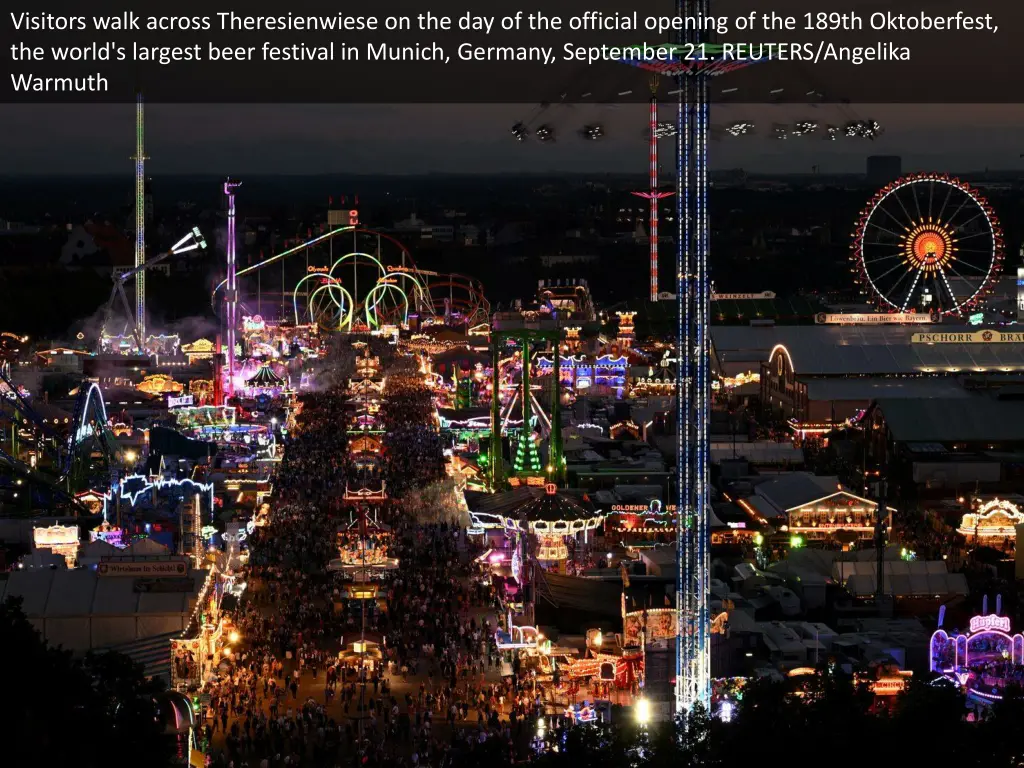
x=894 y=318
x=969 y=337
x=144 y=568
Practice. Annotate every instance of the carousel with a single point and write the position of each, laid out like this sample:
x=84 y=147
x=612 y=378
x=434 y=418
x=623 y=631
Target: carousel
x=363 y=546
x=556 y=523
x=265 y=381
x=985 y=660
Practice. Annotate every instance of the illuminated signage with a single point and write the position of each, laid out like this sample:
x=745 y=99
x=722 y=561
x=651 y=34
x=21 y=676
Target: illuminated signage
x=180 y=402
x=741 y=296
x=990 y=622
x=856 y=318
x=114 y=537
x=313 y=270
x=654 y=507
x=1020 y=293
x=996 y=517
x=975 y=337
x=147 y=568
x=255 y=323
x=55 y=536
x=889 y=686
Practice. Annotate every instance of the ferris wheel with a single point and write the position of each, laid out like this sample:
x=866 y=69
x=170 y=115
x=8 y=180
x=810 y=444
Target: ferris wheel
x=928 y=242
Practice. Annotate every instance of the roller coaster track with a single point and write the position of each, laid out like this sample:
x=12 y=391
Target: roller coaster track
x=64 y=455
x=465 y=294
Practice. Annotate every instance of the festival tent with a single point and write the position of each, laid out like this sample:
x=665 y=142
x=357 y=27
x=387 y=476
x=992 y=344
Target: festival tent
x=81 y=611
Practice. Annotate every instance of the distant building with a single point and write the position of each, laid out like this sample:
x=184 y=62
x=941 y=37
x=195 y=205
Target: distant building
x=881 y=169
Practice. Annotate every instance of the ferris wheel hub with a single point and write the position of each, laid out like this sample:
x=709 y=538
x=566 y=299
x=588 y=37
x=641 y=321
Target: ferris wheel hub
x=929 y=247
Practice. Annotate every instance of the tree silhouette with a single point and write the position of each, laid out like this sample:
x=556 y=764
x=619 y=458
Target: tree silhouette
x=62 y=711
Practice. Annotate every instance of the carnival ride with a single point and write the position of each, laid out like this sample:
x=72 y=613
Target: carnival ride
x=90 y=439
x=62 y=462
x=188 y=502
x=985 y=660
x=192 y=241
x=510 y=330
x=928 y=242
x=359 y=280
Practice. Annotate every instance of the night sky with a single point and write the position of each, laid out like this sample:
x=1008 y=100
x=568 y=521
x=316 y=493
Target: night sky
x=408 y=139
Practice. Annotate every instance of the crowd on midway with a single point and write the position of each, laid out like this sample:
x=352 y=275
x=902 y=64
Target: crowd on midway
x=286 y=697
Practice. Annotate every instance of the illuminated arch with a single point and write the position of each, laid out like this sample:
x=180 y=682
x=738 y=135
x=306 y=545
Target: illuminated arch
x=782 y=348
x=89 y=401
x=81 y=419
x=371 y=303
x=332 y=284
x=346 y=306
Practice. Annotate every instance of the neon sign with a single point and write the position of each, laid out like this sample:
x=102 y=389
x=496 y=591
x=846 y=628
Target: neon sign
x=179 y=402
x=990 y=622
x=254 y=323
x=132 y=497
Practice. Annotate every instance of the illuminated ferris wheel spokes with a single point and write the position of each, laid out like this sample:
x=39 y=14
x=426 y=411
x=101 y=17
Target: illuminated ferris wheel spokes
x=928 y=243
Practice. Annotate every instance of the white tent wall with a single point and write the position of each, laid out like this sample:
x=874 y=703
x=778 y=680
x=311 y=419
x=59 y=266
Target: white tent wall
x=70 y=633
x=80 y=610
x=112 y=630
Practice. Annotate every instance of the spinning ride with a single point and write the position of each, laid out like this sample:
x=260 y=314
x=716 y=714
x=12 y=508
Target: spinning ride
x=928 y=242
x=985 y=660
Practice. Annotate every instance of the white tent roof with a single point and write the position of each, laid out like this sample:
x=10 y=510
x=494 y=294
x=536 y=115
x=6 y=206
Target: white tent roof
x=80 y=592
x=146 y=547
x=901 y=578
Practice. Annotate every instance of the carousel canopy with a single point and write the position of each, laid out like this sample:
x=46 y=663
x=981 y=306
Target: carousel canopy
x=265 y=377
x=554 y=512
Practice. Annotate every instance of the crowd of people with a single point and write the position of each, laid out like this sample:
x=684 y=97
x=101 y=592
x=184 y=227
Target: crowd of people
x=415 y=452
x=289 y=694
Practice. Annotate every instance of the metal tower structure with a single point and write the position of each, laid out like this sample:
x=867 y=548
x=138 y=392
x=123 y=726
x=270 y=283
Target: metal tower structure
x=231 y=289
x=653 y=194
x=526 y=459
x=693 y=389
x=140 y=216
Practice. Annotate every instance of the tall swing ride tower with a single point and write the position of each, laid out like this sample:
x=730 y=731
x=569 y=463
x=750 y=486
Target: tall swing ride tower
x=693 y=387
x=654 y=195
x=231 y=289
x=689 y=62
x=140 y=217
x=692 y=76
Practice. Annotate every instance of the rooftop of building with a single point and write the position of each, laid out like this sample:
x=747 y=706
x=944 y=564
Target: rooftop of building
x=978 y=418
x=866 y=350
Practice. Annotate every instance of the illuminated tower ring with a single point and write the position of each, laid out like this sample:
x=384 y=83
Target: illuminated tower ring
x=928 y=242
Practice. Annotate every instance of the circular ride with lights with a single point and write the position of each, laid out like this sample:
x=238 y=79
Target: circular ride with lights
x=928 y=242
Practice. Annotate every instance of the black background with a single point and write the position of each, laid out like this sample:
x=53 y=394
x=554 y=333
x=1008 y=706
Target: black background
x=946 y=67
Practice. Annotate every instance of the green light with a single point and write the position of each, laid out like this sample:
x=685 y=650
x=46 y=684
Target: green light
x=795 y=542
x=758 y=539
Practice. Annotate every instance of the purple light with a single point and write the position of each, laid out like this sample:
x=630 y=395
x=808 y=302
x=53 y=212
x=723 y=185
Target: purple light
x=497 y=557
x=960 y=672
